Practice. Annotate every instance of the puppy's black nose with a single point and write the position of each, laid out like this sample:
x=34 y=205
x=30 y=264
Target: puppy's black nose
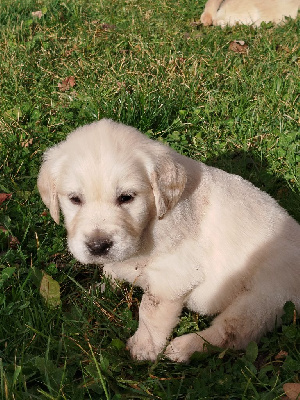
x=99 y=246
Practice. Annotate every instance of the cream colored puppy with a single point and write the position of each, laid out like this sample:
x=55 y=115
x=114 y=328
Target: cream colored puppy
x=248 y=12
x=188 y=234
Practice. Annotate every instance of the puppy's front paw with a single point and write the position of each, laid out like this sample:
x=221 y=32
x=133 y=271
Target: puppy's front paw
x=181 y=348
x=142 y=348
x=206 y=18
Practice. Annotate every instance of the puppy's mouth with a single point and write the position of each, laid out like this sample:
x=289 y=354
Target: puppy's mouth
x=107 y=252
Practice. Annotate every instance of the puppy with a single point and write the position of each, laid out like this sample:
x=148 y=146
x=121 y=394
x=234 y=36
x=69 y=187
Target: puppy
x=248 y=12
x=189 y=235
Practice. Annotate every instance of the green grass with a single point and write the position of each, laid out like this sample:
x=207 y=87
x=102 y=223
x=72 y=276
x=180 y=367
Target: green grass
x=179 y=83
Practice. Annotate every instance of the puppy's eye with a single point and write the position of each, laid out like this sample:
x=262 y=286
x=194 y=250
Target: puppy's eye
x=75 y=199
x=125 y=198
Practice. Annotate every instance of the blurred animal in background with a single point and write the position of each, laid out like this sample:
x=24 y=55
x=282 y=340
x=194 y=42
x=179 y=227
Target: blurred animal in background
x=248 y=12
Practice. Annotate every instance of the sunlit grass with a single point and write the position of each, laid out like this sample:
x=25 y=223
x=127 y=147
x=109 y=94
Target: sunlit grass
x=144 y=64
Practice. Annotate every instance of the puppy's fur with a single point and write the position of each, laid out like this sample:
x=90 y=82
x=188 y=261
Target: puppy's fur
x=248 y=12
x=188 y=234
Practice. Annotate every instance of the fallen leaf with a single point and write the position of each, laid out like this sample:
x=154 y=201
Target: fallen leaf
x=50 y=291
x=283 y=48
x=4 y=197
x=108 y=27
x=27 y=143
x=13 y=242
x=120 y=85
x=37 y=14
x=238 y=46
x=70 y=51
x=67 y=83
x=281 y=354
x=292 y=390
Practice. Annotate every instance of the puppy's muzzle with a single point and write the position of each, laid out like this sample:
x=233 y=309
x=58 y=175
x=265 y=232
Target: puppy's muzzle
x=99 y=246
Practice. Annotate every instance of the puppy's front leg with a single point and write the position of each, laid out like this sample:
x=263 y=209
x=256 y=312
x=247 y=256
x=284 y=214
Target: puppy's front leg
x=157 y=318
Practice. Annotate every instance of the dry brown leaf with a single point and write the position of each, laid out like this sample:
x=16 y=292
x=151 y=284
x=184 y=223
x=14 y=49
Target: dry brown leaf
x=292 y=390
x=70 y=51
x=238 y=46
x=67 y=83
x=37 y=14
x=13 y=242
x=27 y=143
x=108 y=27
x=121 y=85
x=4 y=196
x=104 y=26
x=282 y=354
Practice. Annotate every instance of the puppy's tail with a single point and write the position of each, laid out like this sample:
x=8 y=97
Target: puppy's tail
x=210 y=11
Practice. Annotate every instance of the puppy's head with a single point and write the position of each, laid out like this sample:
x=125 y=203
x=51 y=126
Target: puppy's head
x=110 y=182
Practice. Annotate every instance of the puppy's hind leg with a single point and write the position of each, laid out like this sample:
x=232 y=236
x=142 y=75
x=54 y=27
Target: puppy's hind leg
x=245 y=320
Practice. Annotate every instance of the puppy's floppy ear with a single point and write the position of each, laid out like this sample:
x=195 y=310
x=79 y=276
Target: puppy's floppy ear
x=47 y=185
x=168 y=181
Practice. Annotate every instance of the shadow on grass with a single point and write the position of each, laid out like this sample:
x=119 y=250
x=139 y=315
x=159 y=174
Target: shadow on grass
x=255 y=169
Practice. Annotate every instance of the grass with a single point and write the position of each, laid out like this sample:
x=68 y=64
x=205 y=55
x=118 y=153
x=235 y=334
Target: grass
x=144 y=64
